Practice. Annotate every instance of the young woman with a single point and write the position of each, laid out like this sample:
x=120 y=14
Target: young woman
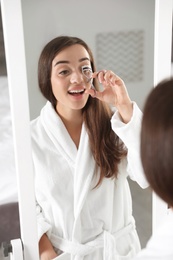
x=157 y=160
x=83 y=154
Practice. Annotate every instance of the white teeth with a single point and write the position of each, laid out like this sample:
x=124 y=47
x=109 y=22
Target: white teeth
x=76 y=91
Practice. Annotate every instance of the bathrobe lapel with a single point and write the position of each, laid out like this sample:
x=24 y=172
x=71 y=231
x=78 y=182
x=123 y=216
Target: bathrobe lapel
x=58 y=134
x=83 y=176
x=84 y=172
x=81 y=160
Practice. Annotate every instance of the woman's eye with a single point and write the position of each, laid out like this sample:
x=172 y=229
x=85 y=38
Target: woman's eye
x=64 y=72
x=87 y=71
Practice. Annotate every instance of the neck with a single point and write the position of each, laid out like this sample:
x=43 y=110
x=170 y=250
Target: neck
x=73 y=122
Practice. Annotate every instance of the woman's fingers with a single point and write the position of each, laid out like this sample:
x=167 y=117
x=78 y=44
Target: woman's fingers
x=100 y=75
x=107 y=77
x=91 y=92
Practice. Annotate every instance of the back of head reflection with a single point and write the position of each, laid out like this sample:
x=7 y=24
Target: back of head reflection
x=157 y=160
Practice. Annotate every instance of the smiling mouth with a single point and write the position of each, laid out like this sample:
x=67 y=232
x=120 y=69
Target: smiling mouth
x=76 y=92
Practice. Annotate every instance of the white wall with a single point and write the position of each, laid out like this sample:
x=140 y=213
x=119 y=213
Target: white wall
x=44 y=20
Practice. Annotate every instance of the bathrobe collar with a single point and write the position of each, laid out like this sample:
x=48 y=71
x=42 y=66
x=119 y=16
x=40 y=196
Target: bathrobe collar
x=80 y=159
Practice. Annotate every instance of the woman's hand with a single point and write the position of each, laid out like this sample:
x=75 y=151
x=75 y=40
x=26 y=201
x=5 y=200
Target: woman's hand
x=46 y=250
x=48 y=255
x=114 y=93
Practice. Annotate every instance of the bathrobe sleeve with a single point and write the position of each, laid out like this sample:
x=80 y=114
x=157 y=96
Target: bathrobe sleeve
x=130 y=135
x=43 y=227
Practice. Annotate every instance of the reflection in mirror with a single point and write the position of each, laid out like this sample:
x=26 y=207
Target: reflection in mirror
x=96 y=208
x=121 y=35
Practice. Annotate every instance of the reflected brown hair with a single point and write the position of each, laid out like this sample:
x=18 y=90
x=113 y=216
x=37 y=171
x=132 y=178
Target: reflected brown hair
x=157 y=140
x=106 y=147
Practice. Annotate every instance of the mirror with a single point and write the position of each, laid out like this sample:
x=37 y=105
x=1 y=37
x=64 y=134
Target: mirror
x=109 y=28
x=121 y=35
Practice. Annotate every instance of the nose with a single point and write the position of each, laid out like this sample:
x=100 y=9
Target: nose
x=76 y=77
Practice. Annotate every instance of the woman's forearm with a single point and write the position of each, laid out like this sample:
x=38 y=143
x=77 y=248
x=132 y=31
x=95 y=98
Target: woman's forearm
x=46 y=249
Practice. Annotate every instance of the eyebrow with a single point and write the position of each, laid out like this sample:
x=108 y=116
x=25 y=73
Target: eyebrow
x=67 y=62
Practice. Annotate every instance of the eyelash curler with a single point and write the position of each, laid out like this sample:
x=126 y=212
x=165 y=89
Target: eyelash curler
x=87 y=72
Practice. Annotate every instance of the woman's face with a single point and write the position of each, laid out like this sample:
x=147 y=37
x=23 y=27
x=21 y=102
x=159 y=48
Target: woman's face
x=67 y=80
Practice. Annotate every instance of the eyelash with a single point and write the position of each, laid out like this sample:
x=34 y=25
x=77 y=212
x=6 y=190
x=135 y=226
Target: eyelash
x=86 y=68
x=66 y=72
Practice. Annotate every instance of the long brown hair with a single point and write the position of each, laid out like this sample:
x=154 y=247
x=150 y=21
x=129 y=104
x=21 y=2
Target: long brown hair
x=157 y=140
x=106 y=147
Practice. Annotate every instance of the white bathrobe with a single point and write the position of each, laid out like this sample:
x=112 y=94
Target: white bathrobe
x=83 y=222
x=160 y=247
